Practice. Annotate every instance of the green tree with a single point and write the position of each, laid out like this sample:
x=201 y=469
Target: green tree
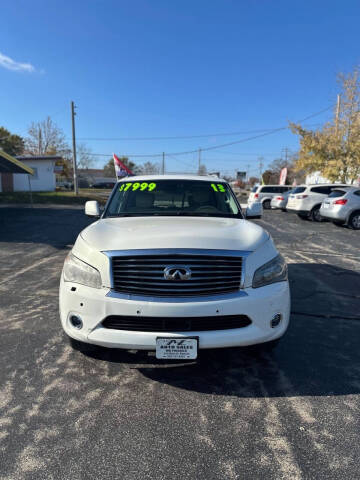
x=11 y=143
x=334 y=150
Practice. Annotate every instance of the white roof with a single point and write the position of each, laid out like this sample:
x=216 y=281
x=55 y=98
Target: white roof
x=177 y=176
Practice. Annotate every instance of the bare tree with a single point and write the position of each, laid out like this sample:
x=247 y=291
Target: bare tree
x=202 y=170
x=149 y=168
x=84 y=156
x=46 y=138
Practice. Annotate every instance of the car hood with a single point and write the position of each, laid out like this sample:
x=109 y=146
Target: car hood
x=173 y=232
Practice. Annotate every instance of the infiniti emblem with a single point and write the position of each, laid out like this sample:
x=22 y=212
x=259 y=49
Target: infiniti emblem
x=177 y=272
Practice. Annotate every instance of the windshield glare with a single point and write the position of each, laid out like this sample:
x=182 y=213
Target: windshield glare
x=172 y=197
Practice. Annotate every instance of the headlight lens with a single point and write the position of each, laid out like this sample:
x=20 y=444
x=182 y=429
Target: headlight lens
x=271 y=272
x=77 y=271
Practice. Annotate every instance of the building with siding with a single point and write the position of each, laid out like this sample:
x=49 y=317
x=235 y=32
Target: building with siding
x=42 y=180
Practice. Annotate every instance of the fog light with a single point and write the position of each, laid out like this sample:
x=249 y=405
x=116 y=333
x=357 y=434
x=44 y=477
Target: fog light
x=275 y=320
x=76 y=322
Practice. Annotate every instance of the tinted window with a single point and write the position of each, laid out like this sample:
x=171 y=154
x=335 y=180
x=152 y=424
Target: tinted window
x=269 y=189
x=337 y=193
x=357 y=193
x=298 y=190
x=254 y=189
x=323 y=190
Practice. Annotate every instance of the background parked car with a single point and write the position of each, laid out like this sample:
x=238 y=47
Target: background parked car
x=265 y=193
x=109 y=185
x=280 y=201
x=342 y=206
x=306 y=200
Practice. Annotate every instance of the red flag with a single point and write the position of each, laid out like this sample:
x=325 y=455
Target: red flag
x=121 y=170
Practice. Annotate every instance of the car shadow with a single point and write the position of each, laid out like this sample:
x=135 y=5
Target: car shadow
x=318 y=356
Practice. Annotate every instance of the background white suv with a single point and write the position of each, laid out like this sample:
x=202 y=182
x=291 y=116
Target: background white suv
x=306 y=200
x=265 y=193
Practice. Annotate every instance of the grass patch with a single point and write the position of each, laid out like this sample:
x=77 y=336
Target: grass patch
x=59 y=198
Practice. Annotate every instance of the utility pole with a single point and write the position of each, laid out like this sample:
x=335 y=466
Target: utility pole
x=199 y=160
x=163 y=164
x=260 y=167
x=248 y=172
x=337 y=115
x=286 y=152
x=76 y=191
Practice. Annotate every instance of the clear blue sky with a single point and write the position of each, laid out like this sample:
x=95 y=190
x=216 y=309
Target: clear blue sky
x=144 y=68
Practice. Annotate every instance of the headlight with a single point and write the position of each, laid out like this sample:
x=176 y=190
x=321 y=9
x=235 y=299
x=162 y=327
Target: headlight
x=78 y=271
x=271 y=272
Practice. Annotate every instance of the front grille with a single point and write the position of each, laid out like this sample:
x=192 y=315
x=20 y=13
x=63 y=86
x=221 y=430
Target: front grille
x=144 y=275
x=175 y=324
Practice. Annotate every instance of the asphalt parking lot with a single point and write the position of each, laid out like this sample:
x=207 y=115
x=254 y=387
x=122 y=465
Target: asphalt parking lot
x=291 y=414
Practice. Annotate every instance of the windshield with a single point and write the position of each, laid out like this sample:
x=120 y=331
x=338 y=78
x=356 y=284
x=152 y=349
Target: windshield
x=253 y=190
x=173 y=197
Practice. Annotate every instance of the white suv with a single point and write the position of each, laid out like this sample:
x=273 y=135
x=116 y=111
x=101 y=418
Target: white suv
x=172 y=265
x=306 y=200
x=265 y=193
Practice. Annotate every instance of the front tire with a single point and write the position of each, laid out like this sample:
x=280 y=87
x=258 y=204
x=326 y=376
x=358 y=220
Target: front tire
x=354 y=221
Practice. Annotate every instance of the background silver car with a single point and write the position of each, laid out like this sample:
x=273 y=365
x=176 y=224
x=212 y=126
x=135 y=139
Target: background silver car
x=280 y=201
x=342 y=206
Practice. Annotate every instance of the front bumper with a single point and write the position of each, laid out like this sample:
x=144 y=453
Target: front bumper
x=94 y=305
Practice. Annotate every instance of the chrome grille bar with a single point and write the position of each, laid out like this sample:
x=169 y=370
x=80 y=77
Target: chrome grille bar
x=213 y=272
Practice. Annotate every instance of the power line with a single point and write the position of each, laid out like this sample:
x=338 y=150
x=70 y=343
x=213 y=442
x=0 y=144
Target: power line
x=215 y=147
x=182 y=137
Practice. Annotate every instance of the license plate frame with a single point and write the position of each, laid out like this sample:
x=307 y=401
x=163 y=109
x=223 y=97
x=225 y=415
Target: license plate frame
x=177 y=348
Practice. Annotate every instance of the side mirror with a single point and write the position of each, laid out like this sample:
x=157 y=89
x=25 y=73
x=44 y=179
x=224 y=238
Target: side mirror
x=254 y=210
x=92 y=209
